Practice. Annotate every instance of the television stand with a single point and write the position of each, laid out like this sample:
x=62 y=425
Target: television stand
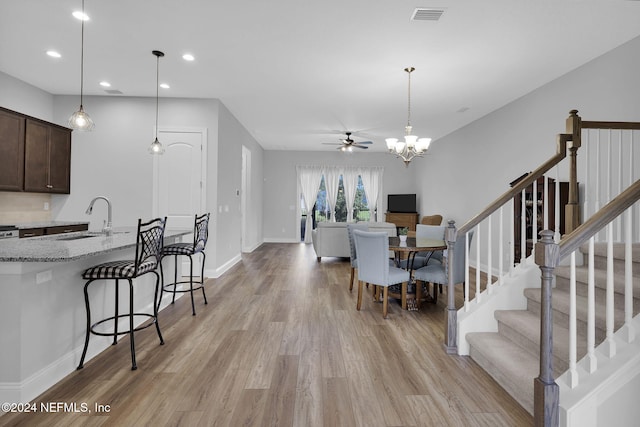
x=401 y=220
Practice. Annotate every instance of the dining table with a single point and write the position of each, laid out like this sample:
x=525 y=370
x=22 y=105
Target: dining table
x=407 y=249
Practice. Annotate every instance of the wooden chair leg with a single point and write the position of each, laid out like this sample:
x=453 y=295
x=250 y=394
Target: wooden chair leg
x=385 y=301
x=418 y=293
x=403 y=295
x=359 y=303
x=351 y=279
x=376 y=293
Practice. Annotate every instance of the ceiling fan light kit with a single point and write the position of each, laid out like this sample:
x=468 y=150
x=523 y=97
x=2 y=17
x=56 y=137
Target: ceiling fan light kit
x=347 y=144
x=412 y=146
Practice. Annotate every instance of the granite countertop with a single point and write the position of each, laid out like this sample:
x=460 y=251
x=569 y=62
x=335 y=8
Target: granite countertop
x=71 y=246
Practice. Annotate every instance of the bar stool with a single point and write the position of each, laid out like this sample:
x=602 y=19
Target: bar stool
x=149 y=241
x=200 y=235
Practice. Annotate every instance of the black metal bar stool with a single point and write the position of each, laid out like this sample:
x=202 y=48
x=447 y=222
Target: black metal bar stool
x=149 y=242
x=200 y=236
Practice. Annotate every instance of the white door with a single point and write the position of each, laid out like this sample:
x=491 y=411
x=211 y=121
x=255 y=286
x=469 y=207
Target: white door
x=179 y=181
x=245 y=197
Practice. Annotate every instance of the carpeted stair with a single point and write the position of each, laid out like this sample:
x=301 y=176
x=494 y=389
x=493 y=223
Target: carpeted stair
x=511 y=355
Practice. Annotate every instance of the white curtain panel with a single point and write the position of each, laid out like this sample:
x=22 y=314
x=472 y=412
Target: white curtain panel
x=350 y=183
x=310 y=177
x=331 y=181
x=371 y=181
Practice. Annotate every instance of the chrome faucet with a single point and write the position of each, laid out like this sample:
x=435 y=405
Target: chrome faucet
x=107 y=227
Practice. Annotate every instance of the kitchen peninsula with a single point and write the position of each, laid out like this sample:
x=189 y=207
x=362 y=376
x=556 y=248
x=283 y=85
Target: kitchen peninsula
x=42 y=313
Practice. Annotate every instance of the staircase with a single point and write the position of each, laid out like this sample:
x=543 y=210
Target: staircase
x=511 y=355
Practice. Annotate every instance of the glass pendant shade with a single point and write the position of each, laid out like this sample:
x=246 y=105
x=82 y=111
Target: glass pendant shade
x=156 y=147
x=80 y=120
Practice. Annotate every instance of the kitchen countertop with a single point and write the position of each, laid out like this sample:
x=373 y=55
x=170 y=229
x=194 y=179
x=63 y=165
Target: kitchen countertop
x=67 y=247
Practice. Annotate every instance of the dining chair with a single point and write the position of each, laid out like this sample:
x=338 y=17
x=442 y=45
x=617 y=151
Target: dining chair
x=437 y=274
x=431 y=220
x=373 y=266
x=149 y=242
x=427 y=232
x=352 y=248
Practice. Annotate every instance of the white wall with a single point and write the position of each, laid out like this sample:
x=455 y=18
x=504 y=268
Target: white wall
x=19 y=96
x=471 y=167
x=281 y=197
x=232 y=136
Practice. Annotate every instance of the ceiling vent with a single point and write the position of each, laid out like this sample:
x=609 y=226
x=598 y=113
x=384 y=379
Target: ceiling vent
x=113 y=91
x=424 y=14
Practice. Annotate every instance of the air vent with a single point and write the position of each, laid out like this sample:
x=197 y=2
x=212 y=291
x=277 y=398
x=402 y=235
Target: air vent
x=113 y=91
x=423 y=14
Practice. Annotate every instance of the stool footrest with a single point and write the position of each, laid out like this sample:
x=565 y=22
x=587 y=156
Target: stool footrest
x=128 y=331
x=200 y=285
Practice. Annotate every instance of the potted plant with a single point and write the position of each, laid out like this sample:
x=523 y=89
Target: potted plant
x=402 y=233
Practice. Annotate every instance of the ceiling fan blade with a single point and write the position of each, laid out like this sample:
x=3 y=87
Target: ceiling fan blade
x=364 y=142
x=359 y=146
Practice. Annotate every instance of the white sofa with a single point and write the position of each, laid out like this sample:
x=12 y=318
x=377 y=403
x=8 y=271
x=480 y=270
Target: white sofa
x=330 y=239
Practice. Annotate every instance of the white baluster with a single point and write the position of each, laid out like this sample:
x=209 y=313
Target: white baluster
x=628 y=279
x=620 y=166
x=545 y=204
x=573 y=371
x=591 y=360
x=489 y=251
x=478 y=297
x=523 y=228
x=501 y=246
x=610 y=344
x=534 y=220
x=466 y=272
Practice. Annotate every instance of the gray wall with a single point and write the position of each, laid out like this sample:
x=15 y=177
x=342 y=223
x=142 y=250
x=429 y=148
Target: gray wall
x=471 y=167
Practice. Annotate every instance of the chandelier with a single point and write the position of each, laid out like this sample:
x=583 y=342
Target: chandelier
x=412 y=146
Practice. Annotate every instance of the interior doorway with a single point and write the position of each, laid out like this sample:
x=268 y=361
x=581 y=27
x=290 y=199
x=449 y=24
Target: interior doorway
x=245 y=198
x=179 y=180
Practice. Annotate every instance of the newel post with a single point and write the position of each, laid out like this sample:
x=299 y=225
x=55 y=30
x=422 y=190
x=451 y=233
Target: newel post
x=572 y=209
x=546 y=393
x=451 y=315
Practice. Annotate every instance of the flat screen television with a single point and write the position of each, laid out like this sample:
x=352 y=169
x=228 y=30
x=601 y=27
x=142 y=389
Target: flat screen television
x=401 y=203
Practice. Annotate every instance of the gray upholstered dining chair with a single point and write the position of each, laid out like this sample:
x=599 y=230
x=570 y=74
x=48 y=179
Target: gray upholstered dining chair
x=437 y=274
x=427 y=232
x=373 y=266
x=352 y=248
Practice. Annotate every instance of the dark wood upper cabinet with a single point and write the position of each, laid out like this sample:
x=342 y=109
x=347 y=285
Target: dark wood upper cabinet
x=47 y=159
x=12 y=127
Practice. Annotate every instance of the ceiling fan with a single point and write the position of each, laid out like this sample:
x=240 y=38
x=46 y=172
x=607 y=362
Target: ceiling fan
x=347 y=144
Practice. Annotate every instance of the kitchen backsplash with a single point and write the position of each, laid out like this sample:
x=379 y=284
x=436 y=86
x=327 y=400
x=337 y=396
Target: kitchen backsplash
x=24 y=207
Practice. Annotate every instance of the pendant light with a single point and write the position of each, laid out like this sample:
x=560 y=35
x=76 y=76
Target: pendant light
x=412 y=146
x=156 y=147
x=80 y=120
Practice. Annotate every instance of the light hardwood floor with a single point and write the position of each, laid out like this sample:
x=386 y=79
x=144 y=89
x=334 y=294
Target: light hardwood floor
x=281 y=344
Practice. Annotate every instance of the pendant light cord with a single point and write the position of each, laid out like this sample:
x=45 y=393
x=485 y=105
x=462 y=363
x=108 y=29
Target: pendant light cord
x=409 y=98
x=82 y=54
x=157 y=90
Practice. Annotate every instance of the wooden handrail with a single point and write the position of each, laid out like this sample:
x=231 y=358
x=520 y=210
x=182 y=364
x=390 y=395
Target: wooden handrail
x=610 y=125
x=561 y=153
x=599 y=220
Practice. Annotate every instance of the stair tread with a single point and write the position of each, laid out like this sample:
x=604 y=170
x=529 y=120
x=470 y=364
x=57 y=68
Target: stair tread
x=510 y=365
x=560 y=302
x=600 y=249
x=600 y=277
x=527 y=324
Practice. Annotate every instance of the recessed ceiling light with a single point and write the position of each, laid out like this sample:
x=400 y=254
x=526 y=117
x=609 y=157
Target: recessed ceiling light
x=188 y=57
x=78 y=14
x=105 y=84
x=164 y=86
x=53 y=54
